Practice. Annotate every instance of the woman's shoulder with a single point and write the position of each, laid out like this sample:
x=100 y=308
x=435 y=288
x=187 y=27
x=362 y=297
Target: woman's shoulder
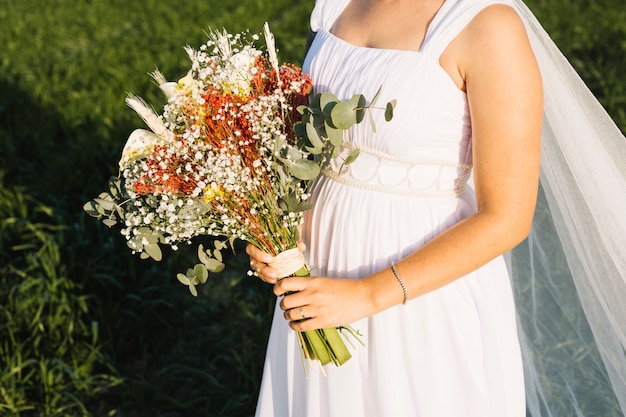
x=497 y=23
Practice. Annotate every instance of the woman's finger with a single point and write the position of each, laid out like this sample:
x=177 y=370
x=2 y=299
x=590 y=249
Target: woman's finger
x=289 y=284
x=299 y=314
x=259 y=267
x=258 y=254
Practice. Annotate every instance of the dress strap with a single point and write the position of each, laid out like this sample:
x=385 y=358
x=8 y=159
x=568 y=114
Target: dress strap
x=326 y=12
x=450 y=20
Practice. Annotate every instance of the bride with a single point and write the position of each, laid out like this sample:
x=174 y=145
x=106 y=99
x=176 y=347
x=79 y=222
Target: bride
x=412 y=245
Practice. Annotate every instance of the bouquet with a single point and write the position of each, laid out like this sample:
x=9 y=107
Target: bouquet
x=234 y=156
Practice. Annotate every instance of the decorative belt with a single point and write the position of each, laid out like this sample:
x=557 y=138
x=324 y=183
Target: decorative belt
x=378 y=171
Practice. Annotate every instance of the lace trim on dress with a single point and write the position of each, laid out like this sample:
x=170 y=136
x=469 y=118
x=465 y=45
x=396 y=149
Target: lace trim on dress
x=377 y=171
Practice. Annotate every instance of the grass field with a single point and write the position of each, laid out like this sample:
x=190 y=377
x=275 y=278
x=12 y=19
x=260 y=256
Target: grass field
x=86 y=329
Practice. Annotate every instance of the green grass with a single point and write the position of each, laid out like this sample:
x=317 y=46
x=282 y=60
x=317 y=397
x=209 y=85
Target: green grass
x=88 y=328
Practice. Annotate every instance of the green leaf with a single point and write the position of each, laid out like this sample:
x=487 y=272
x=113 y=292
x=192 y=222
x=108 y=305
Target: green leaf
x=314 y=102
x=201 y=255
x=335 y=136
x=154 y=251
x=214 y=265
x=107 y=204
x=352 y=156
x=300 y=129
x=282 y=204
x=304 y=169
x=183 y=279
x=303 y=206
x=327 y=101
x=342 y=115
x=217 y=255
x=90 y=208
x=372 y=123
x=375 y=99
x=135 y=244
x=109 y=222
x=389 y=110
x=358 y=103
x=115 y=188
x=313 y=136
x=201 y=273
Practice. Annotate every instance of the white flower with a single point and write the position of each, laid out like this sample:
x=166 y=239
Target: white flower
x=138 y=146
x=239 y=77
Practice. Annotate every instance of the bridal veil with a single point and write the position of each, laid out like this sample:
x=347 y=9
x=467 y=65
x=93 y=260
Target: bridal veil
x=570 y=274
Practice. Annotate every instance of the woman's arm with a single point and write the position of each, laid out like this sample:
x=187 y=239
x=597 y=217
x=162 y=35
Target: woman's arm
x=504 y=92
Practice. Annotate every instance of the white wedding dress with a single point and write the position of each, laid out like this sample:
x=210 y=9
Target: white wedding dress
x=453 y=352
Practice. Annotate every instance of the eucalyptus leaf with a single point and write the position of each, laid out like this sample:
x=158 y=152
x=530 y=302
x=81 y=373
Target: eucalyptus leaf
x=135 y=244
x=107 y=204
x=115 y=188
x=372 y=123
x=201 y=255
x=359 y=104
x=314 y=151
x=153 y=250
x=284 y=177
x=315 y=102
x=152 y=238
x=375 y=99
x=90 y=208
x=304 y=169
x=335 y=136
x=342 y=115
x=300 y=129
x=282 y=204
x=214 y=265
x=293 y=153
x=193 y=290
x=302 y=206
x=313 y=136
x=328 y=101
x=109 y=222
x=144 y=255
x=201 y=273
x=120 y=212
x=183 y=279
x=291 y=202
x=217 y=254
x=352 y=156
x=319 y=119
x=389 y=110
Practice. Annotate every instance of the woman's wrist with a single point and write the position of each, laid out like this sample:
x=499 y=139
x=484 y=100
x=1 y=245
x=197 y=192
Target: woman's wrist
x=385 y=290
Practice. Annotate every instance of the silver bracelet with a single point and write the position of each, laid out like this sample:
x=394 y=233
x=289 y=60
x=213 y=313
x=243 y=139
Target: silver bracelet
x=395 y=272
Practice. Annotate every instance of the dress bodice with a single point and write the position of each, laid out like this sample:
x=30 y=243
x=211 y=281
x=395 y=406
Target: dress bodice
x=431 y=130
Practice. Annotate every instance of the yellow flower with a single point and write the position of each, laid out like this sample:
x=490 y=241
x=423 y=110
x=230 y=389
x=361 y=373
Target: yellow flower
x=210 y=192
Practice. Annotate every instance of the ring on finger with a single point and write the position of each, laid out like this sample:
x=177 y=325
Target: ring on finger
x=302 y=316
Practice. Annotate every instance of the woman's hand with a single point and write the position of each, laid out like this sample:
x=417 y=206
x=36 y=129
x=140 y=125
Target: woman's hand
x=260 y=263
x=321 y=302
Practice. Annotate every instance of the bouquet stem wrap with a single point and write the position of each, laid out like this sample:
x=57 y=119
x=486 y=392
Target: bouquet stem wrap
x=323 y=345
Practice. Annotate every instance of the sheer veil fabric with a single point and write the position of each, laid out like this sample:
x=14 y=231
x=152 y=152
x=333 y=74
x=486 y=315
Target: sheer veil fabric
x=569 y=276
